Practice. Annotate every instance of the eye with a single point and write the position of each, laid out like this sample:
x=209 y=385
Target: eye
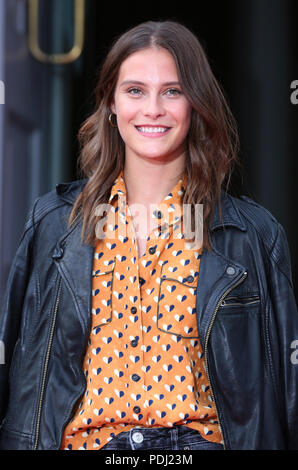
x=173 y=92
x=134 y=91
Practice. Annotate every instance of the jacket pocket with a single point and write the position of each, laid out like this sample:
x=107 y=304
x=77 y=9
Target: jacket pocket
x=239 y=303
x=14 y=440
x=15 y=361
x=176 y=306
x=102 y=290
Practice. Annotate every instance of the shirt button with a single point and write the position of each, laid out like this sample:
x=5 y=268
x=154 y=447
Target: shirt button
x=190 y=278
x=152 y=250
x=142 y=281
x=134 y=343
x=231 y=271
x=137 y=437
x=137 y=409
x=133 y=309
x=158 y=214
x=135 y=377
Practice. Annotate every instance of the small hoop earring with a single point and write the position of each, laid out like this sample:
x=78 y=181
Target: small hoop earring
x=111 y=122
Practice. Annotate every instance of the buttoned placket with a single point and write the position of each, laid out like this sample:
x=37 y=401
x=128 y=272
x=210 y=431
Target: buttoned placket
x=135 y=306
x=139 y=348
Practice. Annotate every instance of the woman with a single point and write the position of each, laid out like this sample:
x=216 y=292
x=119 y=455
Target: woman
x=127 y=323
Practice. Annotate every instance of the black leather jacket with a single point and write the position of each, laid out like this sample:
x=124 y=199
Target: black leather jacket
x=246 y=313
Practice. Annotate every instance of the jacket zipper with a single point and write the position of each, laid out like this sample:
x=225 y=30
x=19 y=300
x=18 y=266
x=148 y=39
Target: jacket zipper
x=45 y=369
x=206 y=344
x=249 y=301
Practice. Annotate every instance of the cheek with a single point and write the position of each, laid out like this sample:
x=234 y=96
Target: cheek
x=126 y=113
x=182 y=114
x=126 y=110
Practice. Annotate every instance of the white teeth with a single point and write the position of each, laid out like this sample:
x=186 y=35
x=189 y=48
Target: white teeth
x=152 y=129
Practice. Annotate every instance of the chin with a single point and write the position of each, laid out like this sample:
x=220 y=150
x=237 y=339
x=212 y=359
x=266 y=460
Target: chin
x=153 y=156
x=153 y=153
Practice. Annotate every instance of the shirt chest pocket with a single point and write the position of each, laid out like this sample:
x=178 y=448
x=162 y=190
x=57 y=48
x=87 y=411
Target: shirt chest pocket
x=102 y=290
x=176 y=308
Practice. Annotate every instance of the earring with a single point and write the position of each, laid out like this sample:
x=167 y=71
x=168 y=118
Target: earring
x=111 y=122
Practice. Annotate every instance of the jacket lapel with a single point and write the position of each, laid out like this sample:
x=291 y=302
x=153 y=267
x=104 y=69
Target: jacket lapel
x=218 y=274
x=217 y=277
x=74 y=261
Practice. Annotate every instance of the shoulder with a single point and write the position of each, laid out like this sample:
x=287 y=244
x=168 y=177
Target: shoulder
x=263 y=228
x=251 y=210
x=270 y=231
x=257 y=218
x=63 y=196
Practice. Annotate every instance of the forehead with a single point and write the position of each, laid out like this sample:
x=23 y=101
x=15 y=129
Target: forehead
x=149 y=65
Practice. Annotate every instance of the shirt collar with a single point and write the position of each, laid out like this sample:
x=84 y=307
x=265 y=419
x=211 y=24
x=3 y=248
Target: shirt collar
x=168 y=211
x=118 y=187
x=68 y=192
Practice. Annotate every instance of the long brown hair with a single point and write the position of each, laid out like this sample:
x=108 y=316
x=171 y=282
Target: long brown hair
x=213 y=142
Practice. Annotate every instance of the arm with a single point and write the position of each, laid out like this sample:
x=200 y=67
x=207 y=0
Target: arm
x=11 y=306
x=284 y=334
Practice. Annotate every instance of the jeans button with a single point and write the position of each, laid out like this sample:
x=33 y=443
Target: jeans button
x=137 y=437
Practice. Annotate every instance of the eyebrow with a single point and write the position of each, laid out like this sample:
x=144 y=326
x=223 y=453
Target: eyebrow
x=137 y=82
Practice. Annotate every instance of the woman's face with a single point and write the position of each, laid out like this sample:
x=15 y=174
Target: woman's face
x=153 y=114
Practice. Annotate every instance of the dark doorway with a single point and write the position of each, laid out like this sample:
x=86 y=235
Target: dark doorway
x=252 y=47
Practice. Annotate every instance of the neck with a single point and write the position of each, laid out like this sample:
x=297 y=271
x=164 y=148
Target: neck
x=148 y=182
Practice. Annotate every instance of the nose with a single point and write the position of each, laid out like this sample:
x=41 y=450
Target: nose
x=154 y=107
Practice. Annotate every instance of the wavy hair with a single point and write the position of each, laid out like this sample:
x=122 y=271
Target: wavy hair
x=212 y=141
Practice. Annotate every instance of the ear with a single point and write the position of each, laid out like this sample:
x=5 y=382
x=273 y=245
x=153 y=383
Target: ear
x=112 y=107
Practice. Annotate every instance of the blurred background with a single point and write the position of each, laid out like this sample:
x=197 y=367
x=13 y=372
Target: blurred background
x=50 y=51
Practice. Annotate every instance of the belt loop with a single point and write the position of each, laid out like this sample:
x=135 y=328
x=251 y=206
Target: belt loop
x=174 y=437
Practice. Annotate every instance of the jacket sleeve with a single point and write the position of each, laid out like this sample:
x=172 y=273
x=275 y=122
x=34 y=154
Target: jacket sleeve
x=284 y=335
x=11 y=306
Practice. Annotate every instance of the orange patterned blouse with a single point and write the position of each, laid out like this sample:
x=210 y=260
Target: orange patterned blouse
x=144 y=363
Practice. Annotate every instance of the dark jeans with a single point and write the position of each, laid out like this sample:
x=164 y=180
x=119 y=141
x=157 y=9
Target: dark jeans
x=175 y=438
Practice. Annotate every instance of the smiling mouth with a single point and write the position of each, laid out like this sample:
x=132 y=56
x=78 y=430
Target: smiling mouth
x=156 y=131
